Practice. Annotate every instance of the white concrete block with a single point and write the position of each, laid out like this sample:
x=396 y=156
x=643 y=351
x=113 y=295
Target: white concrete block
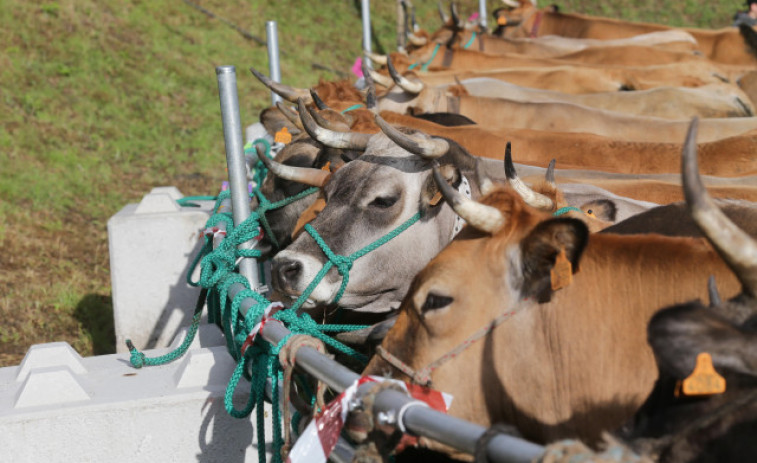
x=103 y=409
x=152 y=245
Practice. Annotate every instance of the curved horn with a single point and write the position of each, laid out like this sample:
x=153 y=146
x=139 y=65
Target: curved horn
x=417 y=41
x=327 y=124
x=531 y=197
x=290 y=114
x=426 y=148
x=413 y=22
x=376 y=58
x=290 y=94
x=317 y=100
x=343 y=140
x=712 y=290
x=480 y=216
x=455 y=16
x=442 y=15
x=307 y=175
x=381 y=79
x=549 y=176
x=406 y=85
x=736 y=248
x=370 y=95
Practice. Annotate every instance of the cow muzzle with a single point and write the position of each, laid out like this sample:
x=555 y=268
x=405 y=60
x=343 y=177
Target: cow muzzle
x=292 y=273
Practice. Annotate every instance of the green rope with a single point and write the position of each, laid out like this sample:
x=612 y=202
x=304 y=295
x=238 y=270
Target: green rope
x=470 y=42
x=565 y=210
x=187 y=200
x=264 y=205
x=352 y=108
x=433 y=55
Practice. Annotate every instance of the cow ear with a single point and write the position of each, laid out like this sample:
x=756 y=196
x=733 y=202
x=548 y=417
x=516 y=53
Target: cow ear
x=541 y=248
x=430 y=195
x=680 y=333
x=602 y=209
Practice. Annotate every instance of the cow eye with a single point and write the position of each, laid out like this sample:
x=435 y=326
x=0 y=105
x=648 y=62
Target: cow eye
x=384 y=202
x=435 y=301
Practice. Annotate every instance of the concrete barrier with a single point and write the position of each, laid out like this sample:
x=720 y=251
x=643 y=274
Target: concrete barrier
x=59 y=407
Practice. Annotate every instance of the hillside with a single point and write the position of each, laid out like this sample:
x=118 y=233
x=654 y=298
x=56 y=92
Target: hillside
x=104 y=100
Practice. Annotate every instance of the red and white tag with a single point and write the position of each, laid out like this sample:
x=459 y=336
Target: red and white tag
x=259 y=326
x=320 y=436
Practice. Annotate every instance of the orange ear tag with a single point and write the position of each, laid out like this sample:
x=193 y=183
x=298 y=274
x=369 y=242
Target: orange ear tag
x=435 y=200
x=704 y=380
x=327 y=166
x=562 y=273
x=590 y=213
x=283 y=136
x=502 y=21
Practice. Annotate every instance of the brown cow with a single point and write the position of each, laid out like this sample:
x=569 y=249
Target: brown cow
x=569 y=361
x=722 y=45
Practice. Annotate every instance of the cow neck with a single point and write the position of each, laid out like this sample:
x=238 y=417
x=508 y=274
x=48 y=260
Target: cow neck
x=343 y=264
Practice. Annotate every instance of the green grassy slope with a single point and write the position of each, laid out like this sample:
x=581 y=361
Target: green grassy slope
x=103 y=100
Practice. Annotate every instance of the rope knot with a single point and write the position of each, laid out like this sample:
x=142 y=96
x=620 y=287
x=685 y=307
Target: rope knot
x=137 y=358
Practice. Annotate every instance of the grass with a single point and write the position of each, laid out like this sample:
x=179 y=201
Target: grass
x=104 y=100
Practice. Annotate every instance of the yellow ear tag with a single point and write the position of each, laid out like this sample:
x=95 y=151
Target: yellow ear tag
x=704 y=380
x=502 y=21
x=283 y=136
x=562 y=273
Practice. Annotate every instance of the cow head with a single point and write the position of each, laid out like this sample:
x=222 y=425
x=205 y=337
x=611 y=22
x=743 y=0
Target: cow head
x=367 y=199
x=514 y=19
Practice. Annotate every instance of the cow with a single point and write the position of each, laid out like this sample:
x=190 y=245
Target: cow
x=556 y=356
x=721 y=45
x=713 y=418
x=367 y=199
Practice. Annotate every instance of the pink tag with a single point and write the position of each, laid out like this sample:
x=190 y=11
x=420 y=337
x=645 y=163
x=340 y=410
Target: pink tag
x=357 y=68
x=473 y=17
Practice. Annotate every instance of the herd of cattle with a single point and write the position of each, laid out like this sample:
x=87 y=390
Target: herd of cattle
x=588 y=279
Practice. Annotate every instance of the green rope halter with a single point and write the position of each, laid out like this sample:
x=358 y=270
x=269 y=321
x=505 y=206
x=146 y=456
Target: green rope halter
x=424 y=66
x=470 y=42
x=565 y=210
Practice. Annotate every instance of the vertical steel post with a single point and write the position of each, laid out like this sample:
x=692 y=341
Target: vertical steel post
x=272 y=39
x=232 y=134
x=365 y=9
x=482 y=13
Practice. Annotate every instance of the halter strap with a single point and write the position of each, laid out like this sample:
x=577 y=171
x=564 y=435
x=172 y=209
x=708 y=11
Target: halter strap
x=423 y=376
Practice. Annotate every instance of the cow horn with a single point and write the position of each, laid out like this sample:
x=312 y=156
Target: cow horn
x=736 y=248
x=290 y=114
x=531 y=197
x=325 y=123
x=417 y=41
x=370 y=95
x=343 y=140
x=426 y=148
x=480 y=216
x=549 y=176
x=511 y=3
x=712 y=290
x=442 y=15
x=381 y=79
x=317 y=100
x=290 y=94
x=410 y=87
x=456 y=22
x=376 y=58
x=307 y=175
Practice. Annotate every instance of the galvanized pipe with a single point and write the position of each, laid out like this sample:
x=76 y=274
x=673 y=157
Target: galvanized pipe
x=272 y=39
x=365 y=10
x=482 y=13
x=232 y=134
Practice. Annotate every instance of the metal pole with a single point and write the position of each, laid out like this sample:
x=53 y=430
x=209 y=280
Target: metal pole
x=482 y=13
x=232 y=134
x=365 y=9
x=272 y=39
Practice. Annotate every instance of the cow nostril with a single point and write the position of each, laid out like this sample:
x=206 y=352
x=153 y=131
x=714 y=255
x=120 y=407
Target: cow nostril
x=289 y=271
